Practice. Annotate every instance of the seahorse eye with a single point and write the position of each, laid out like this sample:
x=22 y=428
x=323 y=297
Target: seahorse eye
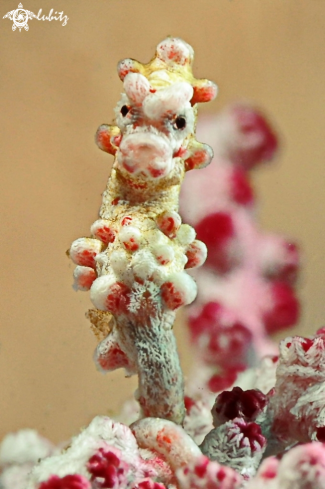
x=125 y=110
x=179 y=123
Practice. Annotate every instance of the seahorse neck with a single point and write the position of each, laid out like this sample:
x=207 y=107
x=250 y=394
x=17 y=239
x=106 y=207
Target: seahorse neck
x=149 y=196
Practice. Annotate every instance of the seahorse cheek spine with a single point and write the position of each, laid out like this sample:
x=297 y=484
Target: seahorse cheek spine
x=134 y=261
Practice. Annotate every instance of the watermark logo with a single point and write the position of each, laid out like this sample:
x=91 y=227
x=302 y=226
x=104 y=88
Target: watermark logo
x=20 y=17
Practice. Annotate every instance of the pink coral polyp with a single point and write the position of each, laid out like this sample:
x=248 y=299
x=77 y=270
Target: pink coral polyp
x=259 y=142
x=229 y=345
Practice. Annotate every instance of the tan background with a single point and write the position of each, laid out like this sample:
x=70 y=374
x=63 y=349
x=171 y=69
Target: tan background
x=57 y=85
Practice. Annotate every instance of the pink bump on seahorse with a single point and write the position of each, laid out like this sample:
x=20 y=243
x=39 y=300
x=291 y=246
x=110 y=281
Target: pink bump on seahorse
x=134 y=261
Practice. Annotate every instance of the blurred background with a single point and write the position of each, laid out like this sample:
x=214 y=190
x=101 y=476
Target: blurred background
x=58 y=84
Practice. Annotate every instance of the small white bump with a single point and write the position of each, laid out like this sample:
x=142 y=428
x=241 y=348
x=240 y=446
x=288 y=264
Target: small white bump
x=143 y=264
x=119 y=262
x=185 y=234
x=130 y=237
x=136 y=87
x=164 y=253
x=84 y=250
x=83 y=278
x=156 y=237
x=100 y=289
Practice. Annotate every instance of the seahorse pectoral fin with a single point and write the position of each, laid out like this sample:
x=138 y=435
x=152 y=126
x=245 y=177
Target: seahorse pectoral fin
x=107 y=138
x=198 y=155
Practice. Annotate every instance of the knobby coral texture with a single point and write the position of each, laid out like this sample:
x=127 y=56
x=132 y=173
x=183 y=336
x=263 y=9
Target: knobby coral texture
x=246 y=288
x=258 y=441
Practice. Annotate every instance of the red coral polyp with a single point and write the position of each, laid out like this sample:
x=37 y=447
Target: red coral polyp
x=238 y=403
x=289 y=272
x=320 y=434
x=224 y=344
x=149 y=484
x=204 y=93
x=171 y=50
x=130 y=237
x=199 y=159
x=68 y=482
x=107 y=469
x=110 y=295
x=112 y=359
x=220 y=382
x=218 y=233
x=205 y=320
x=252 y=434
x=189 y=403
x=200 y=469
x=241 y=189
x=284 y=311
x=204 y=473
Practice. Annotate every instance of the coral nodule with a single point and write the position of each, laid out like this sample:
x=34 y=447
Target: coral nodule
x=134 y=261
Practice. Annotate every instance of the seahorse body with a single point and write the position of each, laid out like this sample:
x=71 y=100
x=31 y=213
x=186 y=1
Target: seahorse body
x=134 y=261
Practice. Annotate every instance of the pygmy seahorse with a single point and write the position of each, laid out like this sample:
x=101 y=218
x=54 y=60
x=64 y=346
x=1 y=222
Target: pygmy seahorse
x=134 y=261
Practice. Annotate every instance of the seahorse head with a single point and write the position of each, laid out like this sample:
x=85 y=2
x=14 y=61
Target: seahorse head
x=156 y=115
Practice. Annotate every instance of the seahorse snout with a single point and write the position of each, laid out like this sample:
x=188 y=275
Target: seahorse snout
x=147 y=153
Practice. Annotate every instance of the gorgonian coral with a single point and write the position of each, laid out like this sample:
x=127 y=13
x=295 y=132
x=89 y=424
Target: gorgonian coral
x=246 y=286
x=134 y=260
x=296 y=410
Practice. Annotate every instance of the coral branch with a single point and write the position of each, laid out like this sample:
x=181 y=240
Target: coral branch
x=246 y=286
x=168 y=439
x=160 y=387
x=296 y=410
